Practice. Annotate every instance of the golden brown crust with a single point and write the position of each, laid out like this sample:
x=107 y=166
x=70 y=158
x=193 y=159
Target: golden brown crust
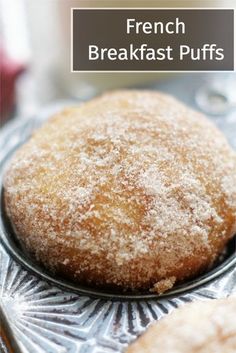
x=201 y=327
x=130 y=189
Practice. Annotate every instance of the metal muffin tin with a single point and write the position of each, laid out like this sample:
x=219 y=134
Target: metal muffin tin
x=47 y=314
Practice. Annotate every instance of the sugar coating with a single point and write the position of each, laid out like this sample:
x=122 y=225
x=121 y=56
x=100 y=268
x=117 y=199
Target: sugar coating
x=130 y=189
x=200 y=327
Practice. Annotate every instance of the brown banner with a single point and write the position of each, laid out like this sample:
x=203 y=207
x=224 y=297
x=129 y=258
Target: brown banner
x=152 y=40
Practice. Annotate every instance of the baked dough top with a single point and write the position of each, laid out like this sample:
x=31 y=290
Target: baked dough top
x=201 y=327
x=130 y=175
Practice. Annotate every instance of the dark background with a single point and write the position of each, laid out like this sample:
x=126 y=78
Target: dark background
x=107 y=28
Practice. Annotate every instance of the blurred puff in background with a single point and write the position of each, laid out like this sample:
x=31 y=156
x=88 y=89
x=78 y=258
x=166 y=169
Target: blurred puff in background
x=35 y=57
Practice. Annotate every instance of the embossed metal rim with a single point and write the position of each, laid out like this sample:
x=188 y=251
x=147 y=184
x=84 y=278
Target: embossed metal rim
x=9 y=243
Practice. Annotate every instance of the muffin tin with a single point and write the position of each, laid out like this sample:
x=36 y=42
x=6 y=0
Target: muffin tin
x=46 y=314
